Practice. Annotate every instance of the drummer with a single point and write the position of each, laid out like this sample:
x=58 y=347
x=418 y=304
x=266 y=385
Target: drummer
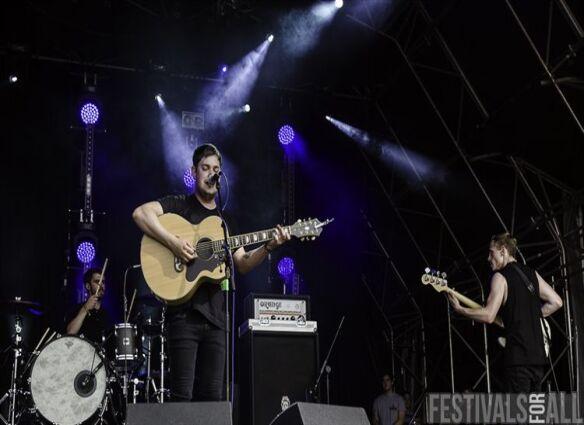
x=89 y=319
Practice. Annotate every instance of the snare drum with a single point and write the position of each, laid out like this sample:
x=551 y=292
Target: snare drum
x=126 y=342
x=68 y=381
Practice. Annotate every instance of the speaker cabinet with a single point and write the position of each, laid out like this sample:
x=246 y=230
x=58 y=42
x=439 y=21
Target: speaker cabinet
x=200 y=413
x=276 y=370
x=321 y=414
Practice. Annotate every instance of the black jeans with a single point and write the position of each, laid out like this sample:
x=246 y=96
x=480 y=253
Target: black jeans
x=197 y=358
x=524 y=379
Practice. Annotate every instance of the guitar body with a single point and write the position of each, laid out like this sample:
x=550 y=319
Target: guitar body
x=170 y=279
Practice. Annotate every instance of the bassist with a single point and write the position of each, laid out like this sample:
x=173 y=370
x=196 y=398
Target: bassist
x=197 y=328
x=521 y=297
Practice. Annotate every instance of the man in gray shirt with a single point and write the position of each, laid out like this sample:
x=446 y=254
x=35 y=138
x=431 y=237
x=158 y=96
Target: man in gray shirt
x=388 y=408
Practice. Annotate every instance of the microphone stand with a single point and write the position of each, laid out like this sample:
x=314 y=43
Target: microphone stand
x=314 y=389
x=227 y=285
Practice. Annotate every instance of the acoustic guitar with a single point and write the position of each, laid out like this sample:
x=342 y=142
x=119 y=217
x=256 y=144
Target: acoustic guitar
x=175 y=282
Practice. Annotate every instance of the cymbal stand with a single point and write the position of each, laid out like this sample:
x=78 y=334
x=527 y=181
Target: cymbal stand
x=162 y=390
x=148 y=366
x=17 y=353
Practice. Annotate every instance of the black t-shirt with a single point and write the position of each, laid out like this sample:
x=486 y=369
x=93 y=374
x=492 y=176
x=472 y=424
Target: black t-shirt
x=96 y=325
x=208 y=299
x=521 y=315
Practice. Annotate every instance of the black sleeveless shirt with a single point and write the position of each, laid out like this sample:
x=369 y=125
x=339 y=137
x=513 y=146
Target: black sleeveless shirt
x=521 y=316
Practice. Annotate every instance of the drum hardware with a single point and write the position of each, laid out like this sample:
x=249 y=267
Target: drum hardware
x=18 y=308
x=67 y=370
x=135 y=390
x=128 y=358
x=150 y=331
x=148 y=354
x=162 y=390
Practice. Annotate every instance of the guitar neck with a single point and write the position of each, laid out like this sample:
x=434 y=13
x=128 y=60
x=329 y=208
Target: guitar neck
x=465 y=300
x=471 y=304
x=248 y=238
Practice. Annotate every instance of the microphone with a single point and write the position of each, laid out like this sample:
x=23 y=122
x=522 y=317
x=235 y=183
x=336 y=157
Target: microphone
x=214 y=178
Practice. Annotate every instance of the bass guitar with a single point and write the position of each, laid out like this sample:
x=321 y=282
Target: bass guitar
x=439 y=282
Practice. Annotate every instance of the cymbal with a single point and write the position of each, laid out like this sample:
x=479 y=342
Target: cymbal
x=19 y=306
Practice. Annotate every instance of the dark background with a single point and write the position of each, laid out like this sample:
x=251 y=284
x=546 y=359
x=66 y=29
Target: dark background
x=349 y=73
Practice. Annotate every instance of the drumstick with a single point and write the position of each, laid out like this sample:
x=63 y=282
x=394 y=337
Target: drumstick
x=131 y=305
x=41 y=340
x=34 y=352
x=51 y=337
x=101 y=276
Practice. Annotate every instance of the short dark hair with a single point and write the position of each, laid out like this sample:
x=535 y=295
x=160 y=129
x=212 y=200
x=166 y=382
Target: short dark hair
x=505 y=240
x=384 y=374
x=204 y=151
x=89 y=274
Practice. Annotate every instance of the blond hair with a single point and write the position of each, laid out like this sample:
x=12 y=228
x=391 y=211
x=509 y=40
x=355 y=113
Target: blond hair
x=507 y=241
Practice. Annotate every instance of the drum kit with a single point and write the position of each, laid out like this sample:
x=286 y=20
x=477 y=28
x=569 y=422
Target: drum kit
x=67 y=379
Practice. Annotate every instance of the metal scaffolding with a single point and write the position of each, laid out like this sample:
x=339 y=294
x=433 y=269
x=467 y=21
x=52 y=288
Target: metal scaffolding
x=560 y=252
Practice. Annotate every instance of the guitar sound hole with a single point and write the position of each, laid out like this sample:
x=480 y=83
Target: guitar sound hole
x=204 y=249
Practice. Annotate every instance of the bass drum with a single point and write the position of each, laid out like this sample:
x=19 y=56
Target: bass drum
x=63 y=388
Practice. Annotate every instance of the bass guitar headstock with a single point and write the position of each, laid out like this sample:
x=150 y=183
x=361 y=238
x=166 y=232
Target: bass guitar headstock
x=435 y=278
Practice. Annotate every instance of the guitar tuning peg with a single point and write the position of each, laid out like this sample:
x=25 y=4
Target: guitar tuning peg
x=314 y=237
x=427 y=270
x=443 y=275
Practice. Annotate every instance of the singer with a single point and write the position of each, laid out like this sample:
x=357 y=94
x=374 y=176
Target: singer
x=197 y=328
x=89 y=319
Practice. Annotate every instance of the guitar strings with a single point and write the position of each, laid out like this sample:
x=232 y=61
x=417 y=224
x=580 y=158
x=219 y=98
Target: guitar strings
x=211 y=244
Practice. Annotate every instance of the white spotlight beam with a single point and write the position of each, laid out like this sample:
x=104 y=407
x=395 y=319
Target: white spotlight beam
x=220 y=100
x=301 y=29
x=392 y=154
x=159 y=100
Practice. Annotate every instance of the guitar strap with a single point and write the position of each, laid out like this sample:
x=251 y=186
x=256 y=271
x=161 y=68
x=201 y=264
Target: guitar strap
x=531 y=289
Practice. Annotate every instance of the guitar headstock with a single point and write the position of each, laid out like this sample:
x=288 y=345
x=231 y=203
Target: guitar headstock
x=308 y=229
x=436 y=279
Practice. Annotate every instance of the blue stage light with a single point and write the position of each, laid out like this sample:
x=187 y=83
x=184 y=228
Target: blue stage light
x=85 y=252
x=89 y=114
x=286 y=267
x=188 y=179
x=286 y=134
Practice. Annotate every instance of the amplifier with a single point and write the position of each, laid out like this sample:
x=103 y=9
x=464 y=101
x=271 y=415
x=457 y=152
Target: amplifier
x=277 y=307
x=267 y=325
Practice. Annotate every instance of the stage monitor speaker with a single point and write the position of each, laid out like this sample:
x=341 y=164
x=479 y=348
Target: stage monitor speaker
x=200 y=413
x=321 y=414
x=276 y=370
